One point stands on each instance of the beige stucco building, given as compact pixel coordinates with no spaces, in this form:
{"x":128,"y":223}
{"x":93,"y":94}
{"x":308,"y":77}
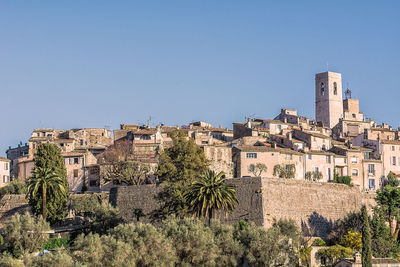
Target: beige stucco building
{"x":4,"y":171}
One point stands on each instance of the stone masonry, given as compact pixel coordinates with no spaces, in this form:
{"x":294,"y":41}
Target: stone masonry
{"x":311,"y":205}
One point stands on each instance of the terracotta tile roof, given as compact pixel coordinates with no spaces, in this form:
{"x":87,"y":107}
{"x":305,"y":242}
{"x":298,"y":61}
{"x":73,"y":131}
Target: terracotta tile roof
{"x":381,"y":129}
{"x":317,"y":135}
{"x":64,"y":140}
{"x":4,"y":159}
{"x":390,"y":142}
{"x":144,"y":131}
{"x":318,"y":152}
{"x":267,"y":149}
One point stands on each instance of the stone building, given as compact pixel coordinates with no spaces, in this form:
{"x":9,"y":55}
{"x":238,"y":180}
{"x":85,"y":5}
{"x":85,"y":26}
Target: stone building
{"x":79,"y":148}
{"x":4,"y":171}
{"x":13,"y":154}
{"x":244,"y":156}
{"x":328,"y":98}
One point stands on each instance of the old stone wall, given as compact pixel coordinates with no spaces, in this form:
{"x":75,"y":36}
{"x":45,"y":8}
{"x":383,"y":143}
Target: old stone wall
{"x":11,"y":205}
{"x":134,"y":198}
{"x":314,"y":206}
{"x":311,"y":204}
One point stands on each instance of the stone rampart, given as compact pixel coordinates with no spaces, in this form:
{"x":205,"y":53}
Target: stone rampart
{"x":312,"y":205}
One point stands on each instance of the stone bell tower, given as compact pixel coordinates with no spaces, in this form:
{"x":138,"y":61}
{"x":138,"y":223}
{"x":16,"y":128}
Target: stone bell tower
{"x":328,"y":98}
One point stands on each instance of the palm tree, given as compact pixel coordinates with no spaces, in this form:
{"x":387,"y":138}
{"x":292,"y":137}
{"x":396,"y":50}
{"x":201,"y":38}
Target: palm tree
{"x":210,"y":193}
{"x":45,"y":184}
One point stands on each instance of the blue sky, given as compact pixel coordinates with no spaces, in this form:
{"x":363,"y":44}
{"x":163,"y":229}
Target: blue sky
{"x":74,"y":64}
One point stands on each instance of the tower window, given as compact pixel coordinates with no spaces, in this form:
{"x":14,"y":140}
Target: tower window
{"x":335,"y":88}
{"x":322,"y":89}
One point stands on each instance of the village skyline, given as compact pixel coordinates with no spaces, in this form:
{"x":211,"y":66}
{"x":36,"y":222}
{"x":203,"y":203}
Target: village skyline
{"x":124,"y":62}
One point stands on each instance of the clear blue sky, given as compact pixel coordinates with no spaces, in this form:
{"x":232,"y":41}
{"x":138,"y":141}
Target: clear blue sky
{"x":74,"y":64}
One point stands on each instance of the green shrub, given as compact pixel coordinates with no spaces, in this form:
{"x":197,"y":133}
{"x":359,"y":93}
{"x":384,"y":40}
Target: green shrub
{"x":13,"y":187}
{"x":7,"y":260}
{"x":318,"y":242}
{"x":149,"y":245}
{"x":25,"y":234}
{"x":343,"y":180}
{"x":193,"y":241}
{"x":330,"y":255}
{"x":56,"y":243}
{"x":94,"y":250}
{"x":54,"y":259}
{"x":85,"y":203}
{"x":264,"y":247}
{"x":230,"y":249}
{"x":105,"y":217}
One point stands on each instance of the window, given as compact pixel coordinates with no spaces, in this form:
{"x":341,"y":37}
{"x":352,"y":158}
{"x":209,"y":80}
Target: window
{"x":145,"y":137}
{"x":322,"y":89}
{"x":394,"y":161}
{"x":329,"y":174}
{"x":76,"y":160}
{"x":81,"y":142}
{"x":335,"y":88}
{"x":288,"y":156}
{"x":393,"y":148}
{"x":371,"y":183}
{"x":328,"y":159}
{"x":93,"y":183}
{"x":76,"y":172}
{"x":300,"y":158}
{"x":4,"y":179}
{"x":354,"y":160}
{"x":251,"y":155}
{"x":354,"y":116}
{"x":94,"y":170}
{"x":6,"y":166}
{"x":309,"y":156}
{"x":371,"y":169}
{"x":354,"y":172}
{"x":71,"y":161}
{"x":316,"y":169}
{"x":366,"y":155}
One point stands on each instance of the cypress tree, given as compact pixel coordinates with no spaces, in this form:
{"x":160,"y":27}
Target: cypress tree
{"x":49,"y":156}
{"x":366,"y":255}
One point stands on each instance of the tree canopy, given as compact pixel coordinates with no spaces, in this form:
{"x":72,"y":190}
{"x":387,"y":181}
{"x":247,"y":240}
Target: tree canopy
{"x":178,"y":166}
{"x":49,"y":157}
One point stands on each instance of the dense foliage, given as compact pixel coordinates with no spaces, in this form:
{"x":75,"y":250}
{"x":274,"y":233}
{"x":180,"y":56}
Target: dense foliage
{"x":342,"y":180}
{"x":48,"y":156}
{"x":14,"y":187}
{"x":25,"y":234}
{"x":366,"y":254}
{"x":175,"y":242}
{"x":178,"y":167}
{"x":285,"y":171}
{"x":209,"y":194}
{"x":45,"y":184}
{"x":257,"y":169}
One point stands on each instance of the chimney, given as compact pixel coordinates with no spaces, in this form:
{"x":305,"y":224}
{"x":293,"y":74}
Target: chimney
{"x":273,"y":145}
{"x":289,"y":136}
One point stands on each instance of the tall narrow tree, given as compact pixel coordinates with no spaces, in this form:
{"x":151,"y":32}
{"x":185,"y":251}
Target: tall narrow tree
{"x":210,"y":193}
{"x":366,"y":255}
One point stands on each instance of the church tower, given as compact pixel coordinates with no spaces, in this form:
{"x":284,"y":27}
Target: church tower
{"x":328,"y":98}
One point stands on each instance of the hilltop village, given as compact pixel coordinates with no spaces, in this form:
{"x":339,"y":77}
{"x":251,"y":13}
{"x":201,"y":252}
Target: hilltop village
{"x":340,"y":142}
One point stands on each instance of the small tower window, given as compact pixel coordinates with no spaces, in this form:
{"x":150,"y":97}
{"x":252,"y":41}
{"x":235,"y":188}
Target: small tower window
{"x":335,"y":88}
{"x":322,"y":89}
